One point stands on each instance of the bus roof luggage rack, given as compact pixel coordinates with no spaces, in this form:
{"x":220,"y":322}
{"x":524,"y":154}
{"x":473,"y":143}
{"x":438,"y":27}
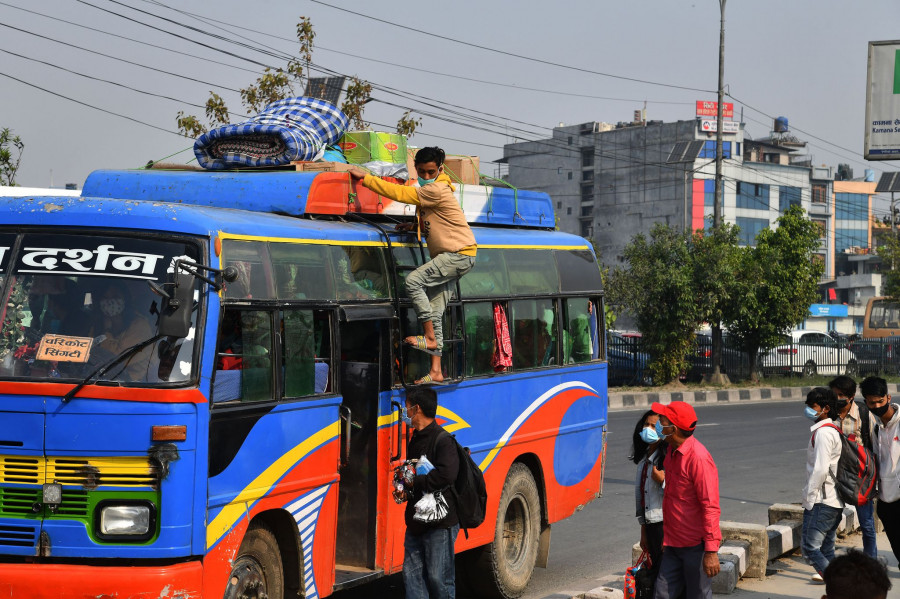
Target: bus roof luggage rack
{"x":315,"y":193}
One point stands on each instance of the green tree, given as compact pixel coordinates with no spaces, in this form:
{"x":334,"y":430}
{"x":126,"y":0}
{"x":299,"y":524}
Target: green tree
{"x":716,"y":257}
{"x":280,"y":83}
{"x":889,"y":251}
{"x":11,"y":147}
{"x":658,"y":287}
{"x":775,"y":284}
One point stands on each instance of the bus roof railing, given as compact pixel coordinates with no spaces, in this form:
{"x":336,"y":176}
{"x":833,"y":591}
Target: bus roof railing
{"x":302,"y":193}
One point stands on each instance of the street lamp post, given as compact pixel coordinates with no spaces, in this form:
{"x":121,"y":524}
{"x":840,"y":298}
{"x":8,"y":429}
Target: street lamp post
{"x":716,"y":376}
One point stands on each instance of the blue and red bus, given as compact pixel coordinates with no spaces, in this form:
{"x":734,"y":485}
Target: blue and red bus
{"x":201,"y":376}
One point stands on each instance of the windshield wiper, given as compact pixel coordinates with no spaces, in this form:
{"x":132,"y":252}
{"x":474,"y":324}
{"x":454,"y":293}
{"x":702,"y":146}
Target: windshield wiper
{"x":123,"y":355}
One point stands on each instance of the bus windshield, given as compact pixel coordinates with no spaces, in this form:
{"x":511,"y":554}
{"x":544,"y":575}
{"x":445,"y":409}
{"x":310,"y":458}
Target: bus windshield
{"x":71,"y":303}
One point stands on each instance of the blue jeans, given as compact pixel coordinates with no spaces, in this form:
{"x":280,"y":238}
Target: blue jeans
{"x":429,"y":570}
{"x":866,"y":515}
{"x":682,"y":570}
{"x":819,"y":527}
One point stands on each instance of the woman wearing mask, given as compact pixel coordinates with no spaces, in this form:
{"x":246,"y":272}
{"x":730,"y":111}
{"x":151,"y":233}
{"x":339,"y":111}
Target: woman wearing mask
{"x":648,"y":451}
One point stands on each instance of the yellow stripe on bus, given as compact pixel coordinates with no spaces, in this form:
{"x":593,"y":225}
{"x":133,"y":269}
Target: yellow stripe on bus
{"x":335,"y":242}
{"x":261,"y":485}
{"x":237,"y":237}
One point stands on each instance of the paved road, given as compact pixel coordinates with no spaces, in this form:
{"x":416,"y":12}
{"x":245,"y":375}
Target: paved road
{"x":758,"y":447}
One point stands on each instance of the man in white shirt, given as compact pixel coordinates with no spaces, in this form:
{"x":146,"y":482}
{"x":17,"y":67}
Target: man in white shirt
{"x":822,"y":508}
{"x":887,"y":455}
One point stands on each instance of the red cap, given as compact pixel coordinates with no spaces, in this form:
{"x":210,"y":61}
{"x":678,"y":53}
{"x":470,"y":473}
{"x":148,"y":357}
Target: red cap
{"x":679,"y":413}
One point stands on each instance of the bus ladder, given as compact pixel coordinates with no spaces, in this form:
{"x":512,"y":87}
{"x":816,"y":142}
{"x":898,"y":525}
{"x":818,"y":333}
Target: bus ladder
{"x":455,"y":324}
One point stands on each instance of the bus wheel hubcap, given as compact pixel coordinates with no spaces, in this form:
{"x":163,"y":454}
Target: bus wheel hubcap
{"x":247,"y":580}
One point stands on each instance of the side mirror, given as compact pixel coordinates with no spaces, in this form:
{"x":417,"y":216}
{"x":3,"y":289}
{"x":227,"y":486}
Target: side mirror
{"x":177,"y":305}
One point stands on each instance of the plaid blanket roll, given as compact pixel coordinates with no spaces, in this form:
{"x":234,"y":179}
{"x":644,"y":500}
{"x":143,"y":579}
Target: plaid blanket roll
{"x":286,"y":130}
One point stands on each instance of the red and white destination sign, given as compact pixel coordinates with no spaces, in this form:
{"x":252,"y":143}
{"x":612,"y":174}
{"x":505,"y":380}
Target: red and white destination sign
{"x":710,"y":109}
{"x":709,"y":126}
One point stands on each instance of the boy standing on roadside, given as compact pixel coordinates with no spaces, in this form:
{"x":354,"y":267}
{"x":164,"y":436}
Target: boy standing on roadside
{"x":822,"y":508}
{"x":451,"y":245}
{"x":858,"y":424}
{"x":887,"y":455}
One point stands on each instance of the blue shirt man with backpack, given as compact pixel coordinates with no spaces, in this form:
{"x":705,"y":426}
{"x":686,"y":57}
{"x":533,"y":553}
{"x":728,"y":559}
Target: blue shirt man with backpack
{"x":428,"y":560}
{"x":822,"y":507}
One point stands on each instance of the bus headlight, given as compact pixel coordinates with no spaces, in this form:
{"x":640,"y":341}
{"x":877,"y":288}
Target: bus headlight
{"x":126,"y":521}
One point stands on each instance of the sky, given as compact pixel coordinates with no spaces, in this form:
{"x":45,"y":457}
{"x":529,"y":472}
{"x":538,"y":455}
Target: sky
{"x":97,"y":84}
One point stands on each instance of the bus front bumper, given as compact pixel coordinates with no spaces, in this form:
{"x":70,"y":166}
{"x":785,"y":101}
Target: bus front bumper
{"x":69,"y":581}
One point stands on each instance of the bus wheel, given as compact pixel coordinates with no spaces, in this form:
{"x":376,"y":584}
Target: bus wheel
{"x":852,"y":368}
{"x":809,"y":369}
{"x":505,"y":566}
{"x":257,"y":572}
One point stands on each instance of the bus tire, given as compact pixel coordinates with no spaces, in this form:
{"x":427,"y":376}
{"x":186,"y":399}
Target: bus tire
{"x":504,"y":567}
{"x":809,"y":369}
{"x":257,"y":572}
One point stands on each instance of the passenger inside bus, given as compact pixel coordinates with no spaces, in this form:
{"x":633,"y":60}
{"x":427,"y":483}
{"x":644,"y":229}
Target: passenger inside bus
{"x":123,"y":325}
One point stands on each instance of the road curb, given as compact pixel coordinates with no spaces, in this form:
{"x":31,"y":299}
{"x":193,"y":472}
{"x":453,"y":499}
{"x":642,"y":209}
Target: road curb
{"x":629,"y":400}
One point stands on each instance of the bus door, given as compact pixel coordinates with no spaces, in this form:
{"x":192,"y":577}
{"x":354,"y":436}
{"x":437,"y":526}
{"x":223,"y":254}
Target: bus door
{"x":364,"y":374}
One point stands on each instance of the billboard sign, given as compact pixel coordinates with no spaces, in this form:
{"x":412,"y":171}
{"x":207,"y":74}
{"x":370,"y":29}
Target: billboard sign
{"x":828,"y":310}
{"x":710,"y":109}
{"x":709,"y":126}
{"x":882,"y":138}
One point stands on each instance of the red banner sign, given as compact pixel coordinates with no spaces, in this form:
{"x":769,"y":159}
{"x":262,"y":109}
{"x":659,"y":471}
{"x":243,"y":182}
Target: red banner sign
{"x":710,"y":109}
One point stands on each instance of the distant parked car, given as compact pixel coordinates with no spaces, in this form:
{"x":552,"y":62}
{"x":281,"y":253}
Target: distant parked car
{"x":877,"y":356}
{"x":734,"y":361}
{"x":808,"y":353}
{"x":627,"y":365}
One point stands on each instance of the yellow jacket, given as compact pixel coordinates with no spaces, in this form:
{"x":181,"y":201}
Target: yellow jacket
{"x":441,"y":218}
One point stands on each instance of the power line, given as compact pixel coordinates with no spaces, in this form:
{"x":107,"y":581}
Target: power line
{"x":111,"y":57}
{"x":110,"y":33}
{"x":206,"y":19}
{"x":134,"y":120}
{"x":511,"y":54}
{"x":140,"y":91}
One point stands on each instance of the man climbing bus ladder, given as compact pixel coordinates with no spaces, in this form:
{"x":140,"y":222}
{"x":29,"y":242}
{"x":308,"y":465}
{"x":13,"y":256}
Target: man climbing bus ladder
{"x":451,"y":246}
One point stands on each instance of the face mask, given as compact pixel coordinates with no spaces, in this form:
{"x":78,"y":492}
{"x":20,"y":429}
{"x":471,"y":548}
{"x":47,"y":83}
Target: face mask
{"x":649,"y":435}
{"x":880,"y":411}
{"x":811,"y":414}
{"x":424,"y":182}
{"x":659,"y":430}
{"x":112,"y":307}
{"x":405,"y":416}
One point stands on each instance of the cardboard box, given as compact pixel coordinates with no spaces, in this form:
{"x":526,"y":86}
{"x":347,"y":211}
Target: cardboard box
{"x":321,"y":167}
{"x":361,"y":147}
{"x":463,"y":169}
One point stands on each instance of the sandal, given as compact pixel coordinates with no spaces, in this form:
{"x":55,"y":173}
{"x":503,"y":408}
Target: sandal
{"x":421,"y":345}
{"x":427,"y":380}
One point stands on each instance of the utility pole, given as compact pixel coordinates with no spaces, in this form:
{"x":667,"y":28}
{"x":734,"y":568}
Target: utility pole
{"x":716,"y":376}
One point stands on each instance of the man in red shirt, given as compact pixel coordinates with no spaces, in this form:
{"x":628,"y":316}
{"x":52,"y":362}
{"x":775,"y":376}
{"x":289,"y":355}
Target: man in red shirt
{"x":691,"y":535}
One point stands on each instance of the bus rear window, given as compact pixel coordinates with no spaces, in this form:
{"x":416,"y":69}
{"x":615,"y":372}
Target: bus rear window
{"x":74,"y":302}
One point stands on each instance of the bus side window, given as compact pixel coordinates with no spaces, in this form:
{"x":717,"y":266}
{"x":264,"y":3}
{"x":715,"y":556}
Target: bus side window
{"x":306,"y":352}
{"x":479,"y":319}
{"x":580,"y":330}
{"x":244,"y":357}
{"x":533,"y":333}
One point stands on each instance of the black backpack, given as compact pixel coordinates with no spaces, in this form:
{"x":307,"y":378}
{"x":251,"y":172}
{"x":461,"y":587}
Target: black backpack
{"x":468,"y":489}
{"x":856,"y":473}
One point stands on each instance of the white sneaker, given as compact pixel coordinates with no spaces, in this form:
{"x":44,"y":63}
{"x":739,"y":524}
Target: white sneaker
{"x":816,"y":579}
